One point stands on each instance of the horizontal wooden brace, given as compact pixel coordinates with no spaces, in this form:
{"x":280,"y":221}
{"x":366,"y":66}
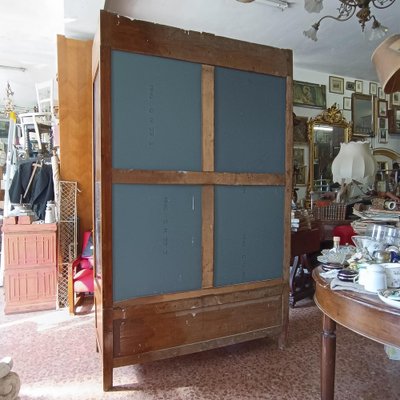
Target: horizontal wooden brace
{"x":144,"y":177}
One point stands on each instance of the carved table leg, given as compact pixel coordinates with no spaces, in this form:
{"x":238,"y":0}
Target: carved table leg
{"x":292,"y":281}
{"x":328,"y":354}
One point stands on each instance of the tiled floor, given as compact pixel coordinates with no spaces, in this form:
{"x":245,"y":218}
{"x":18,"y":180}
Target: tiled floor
{"x":55,"y":356}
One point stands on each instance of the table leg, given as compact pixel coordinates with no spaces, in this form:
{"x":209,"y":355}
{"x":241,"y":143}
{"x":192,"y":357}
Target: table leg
{"x":328,"y":353}
{"x":292,"y":280}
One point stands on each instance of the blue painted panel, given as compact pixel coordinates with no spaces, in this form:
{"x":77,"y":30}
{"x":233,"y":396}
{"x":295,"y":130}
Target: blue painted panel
{"x":156,"y":113}
{"x":156,"y":239}
{"x":248,"y":234}
{"x":249,"y":122}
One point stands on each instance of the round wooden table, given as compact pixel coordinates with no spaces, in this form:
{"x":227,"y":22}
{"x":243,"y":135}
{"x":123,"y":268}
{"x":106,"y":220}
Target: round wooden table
{"x":357,"y":312}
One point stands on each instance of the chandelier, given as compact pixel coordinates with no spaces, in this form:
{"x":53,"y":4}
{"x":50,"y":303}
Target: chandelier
{"x":346,"y":10}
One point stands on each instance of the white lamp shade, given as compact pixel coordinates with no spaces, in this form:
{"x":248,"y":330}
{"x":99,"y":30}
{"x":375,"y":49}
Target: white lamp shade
{"x":386,"y":59}
{"x":354,"y":162}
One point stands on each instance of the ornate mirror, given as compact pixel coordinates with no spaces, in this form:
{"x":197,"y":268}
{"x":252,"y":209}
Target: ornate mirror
{"x":325,"y":132}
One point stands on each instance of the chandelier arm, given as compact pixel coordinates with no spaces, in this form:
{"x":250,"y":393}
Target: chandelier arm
{"x":338,"y":18}
{"x":382,"y":3}
{"x":351,"y":3}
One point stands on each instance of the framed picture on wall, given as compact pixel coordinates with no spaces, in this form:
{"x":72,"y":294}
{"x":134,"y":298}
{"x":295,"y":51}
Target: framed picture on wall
{"x":382,"y":135}
{"x":359,"y":86}
{"x":346,"y":103}
{"x":309,"y":94}
{"x":394,"y":119}
{"x":381,"y":93}
{"x":382,"y":108}
{"x":395,"y":99}
{"x":350,"y":86}
{"x":373,"y":89}
{"x":300,"y":131}
{"x":382,"y":123}
{"x":362,"y":115}
{"x":299,"y":165}
{"x":336,"y":85}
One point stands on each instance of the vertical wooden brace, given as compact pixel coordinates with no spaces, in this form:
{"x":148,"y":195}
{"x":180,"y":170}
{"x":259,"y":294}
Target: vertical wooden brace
{"x":207,"y":104}
{"x":207,"y":101}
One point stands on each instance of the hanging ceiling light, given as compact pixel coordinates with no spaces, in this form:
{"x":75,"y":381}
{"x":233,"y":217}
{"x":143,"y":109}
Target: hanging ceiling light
{"x":346,"y":10}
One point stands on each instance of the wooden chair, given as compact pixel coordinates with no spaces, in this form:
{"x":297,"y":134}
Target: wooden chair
{"x":80,"y":274}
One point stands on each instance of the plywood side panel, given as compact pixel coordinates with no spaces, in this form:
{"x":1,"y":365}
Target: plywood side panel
{"x":75,"y":100}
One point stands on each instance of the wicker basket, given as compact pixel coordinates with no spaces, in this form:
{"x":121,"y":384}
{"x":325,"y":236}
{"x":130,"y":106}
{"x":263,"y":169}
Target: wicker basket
{"x":334,"y":211}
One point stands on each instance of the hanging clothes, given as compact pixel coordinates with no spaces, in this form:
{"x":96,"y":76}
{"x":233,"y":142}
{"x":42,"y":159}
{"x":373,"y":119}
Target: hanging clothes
{"x":39,"y":192}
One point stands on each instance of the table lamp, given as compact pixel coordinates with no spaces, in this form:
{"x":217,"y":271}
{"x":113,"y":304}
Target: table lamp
{"x":354,"y":165}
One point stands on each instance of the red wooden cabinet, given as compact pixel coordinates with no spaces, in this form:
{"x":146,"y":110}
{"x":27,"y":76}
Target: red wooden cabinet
{"x":30,"y":267}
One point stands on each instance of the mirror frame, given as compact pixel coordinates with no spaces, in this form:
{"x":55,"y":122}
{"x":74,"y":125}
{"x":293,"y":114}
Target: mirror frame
{"x":332,"y":116}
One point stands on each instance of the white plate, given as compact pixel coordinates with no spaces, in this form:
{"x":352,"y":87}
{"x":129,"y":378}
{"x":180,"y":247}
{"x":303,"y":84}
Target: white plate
{"x":388,"y":296}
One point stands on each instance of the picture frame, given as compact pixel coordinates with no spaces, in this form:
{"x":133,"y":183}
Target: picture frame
{"x":382,"y":123}
{"x":382,"y":135}
{"x":362,"y":115}
{"x":351,"y":86}
{"x":346,"y":103}
{"x":336,"y":85}
{"x":381,"y":93}
{"x":358,"y":86}
{"x":300,"y":168}
{"x":394,"y":120}
{"x":395,"y":99}
{"x":373,"y":89}
{"x":382,"y":108}
{"x":307,"y":94}
{"x":300,"y":129}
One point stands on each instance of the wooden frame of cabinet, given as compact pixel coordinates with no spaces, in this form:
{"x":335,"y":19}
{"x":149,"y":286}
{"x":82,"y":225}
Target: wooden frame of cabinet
{"x":167,"y":324}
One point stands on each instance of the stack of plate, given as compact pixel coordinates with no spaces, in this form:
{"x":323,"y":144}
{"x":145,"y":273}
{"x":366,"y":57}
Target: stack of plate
{"x":390,"y":296}
{"x":331,"y":266}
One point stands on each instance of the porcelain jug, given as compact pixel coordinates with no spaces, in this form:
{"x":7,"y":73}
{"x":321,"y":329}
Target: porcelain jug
{"x":375,"y":278}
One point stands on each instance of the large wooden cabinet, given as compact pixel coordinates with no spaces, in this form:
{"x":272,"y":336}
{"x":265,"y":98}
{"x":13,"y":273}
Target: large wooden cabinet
{"x":192,"y":190}
{"x":30,"y":267}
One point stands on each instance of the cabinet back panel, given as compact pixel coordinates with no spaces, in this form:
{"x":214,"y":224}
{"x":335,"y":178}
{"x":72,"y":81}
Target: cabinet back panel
{"x":156,"y":239}
{"x":249,"y":122}
{"x":248,"y":234}
{"x":156,"y":113}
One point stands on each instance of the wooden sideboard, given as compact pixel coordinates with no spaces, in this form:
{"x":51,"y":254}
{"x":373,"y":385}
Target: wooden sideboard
{"x":303,"y":243}
{"x":30,"y":267}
